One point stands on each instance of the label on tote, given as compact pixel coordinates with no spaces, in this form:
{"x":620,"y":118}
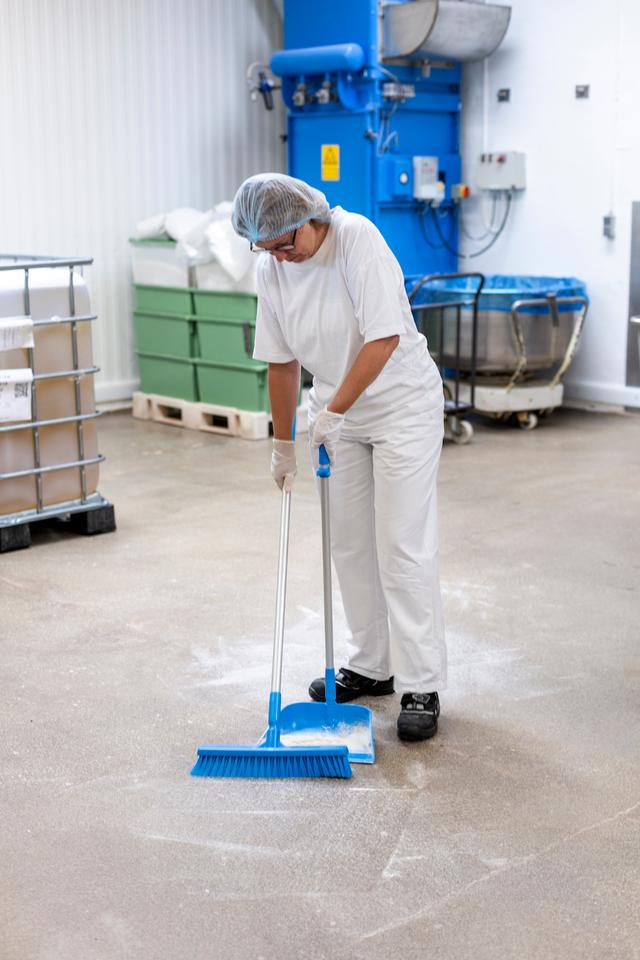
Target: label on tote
{"x":15,"y":394}
{"x":16,"y":333}
{"x":330,"y":161}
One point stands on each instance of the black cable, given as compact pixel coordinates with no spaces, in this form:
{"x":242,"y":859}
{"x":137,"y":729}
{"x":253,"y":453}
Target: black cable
{"x":423,"y":227}
{"x":469,"y":256}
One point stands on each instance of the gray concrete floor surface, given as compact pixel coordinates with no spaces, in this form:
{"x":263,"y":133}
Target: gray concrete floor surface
{"x":515,"y":834}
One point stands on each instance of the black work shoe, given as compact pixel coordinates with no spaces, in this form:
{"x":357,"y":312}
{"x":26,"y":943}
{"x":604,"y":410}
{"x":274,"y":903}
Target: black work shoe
{"x":418,"y":718}
{"x":351,"y":685}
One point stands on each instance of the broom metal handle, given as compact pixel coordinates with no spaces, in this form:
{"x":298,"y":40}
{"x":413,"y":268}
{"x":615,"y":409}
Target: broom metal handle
{"x":281,"y":593}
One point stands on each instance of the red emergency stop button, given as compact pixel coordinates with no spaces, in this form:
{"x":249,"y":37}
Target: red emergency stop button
{"x":459,"y":191}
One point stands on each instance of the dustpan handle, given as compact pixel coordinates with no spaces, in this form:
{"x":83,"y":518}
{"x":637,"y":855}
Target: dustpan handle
{"x":281,"y":596}
{"x":281,"y":593}
{"x":323,"y":473}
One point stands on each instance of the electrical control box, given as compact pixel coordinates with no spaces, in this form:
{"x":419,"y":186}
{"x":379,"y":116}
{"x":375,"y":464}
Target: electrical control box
{"x":395,"y":182}
{"x":426,"y":185}
{"x":503,"y":170}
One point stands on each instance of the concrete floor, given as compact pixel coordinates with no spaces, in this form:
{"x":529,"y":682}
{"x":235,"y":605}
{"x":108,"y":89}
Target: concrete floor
{"x":514,"y":834}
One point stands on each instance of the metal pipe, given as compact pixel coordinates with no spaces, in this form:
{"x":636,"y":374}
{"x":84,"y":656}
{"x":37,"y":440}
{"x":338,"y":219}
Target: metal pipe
{"x":37,"y":471}
{"x":24,"y":261}
{"x":51,"y":423}
{"x":281,"y":593}
{"x":83,"y":372}
{"x":35,"y":433}
{"x":54,"y":321}
{"x":76,"y":385}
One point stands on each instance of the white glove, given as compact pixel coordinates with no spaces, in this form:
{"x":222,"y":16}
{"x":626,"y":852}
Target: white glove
{"x":327,"y":430}
{"x":283,"y":463}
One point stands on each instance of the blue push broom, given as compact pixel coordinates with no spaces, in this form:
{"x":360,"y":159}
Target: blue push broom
{"x":329,"y":722}
{"x":270,"y":757}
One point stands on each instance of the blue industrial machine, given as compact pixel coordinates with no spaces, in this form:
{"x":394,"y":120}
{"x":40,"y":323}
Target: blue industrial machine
{"x":373,"y":97}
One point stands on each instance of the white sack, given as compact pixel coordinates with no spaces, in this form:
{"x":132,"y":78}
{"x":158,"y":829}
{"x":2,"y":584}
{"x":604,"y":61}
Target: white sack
{"x":181,"y":221}
{"x":150,"y":227}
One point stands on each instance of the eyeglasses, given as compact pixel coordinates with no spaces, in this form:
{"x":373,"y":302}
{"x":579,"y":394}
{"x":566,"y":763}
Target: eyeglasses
{"x":282,"y":248}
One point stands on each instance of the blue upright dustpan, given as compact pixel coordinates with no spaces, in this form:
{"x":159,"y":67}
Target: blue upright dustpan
{"x":329,"y":723}
{"x":271,"y":756}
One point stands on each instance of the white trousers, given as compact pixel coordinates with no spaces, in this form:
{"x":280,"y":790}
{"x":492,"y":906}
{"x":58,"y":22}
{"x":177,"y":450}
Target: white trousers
{"x":384,"y":539}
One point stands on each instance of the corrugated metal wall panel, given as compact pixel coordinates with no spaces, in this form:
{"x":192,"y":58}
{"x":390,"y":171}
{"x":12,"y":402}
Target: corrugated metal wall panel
{"x":113,"y":110}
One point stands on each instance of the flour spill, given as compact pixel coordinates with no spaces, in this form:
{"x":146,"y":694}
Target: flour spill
{"x":357,"y":738}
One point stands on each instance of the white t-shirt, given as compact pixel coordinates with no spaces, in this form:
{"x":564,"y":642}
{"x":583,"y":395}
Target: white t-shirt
{"x":323,"y":310}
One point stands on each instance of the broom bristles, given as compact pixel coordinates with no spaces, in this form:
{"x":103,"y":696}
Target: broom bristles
{"x":266,"y":762}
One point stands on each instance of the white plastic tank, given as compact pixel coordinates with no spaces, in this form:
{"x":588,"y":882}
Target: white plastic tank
{"x":55,"y":398}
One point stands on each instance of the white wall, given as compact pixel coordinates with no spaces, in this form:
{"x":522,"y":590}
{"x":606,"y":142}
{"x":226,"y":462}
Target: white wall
{"x":112,"y":110}
{"x":583,"y":159}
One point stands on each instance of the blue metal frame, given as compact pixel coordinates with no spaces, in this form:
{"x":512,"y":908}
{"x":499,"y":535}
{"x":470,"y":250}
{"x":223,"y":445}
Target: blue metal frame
{"x":377,"y":138}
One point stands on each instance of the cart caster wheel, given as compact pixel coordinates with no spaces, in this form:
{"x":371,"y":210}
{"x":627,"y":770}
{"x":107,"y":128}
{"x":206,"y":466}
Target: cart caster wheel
{"x":460,"y":431}
{"x":527,"y":421}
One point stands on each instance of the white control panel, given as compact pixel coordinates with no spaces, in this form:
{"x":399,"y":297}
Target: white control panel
{"x":425,"y":179}
{"x":503,"y":170}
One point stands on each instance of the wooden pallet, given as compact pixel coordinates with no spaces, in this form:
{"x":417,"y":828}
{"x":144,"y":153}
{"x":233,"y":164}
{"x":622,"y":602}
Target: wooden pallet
{"x":210,"y":417}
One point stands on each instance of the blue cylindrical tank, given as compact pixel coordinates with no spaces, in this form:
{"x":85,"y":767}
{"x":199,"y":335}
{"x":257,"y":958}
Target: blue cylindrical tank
{"x":347,"y":57}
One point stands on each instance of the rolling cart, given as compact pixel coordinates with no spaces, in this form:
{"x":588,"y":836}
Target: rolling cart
{"x":431,"y":317}
{"x":545,"y":336}
{"x":506,"y":355}
{"x":48,"y":450}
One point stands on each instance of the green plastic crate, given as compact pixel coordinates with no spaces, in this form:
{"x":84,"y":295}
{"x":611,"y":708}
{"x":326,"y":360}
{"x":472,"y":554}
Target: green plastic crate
{"x":153,"y":242}
{"x":225,"y":306}
{"x":166,"y":335}
{"x":171,"y":300}
{"x":226,"y":341}
{"x":168,"y":376}
{"x":243,"y":386}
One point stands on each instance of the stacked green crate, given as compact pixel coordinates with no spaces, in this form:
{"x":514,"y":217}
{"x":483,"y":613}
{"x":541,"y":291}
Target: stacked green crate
{"x":166,"y":341}
{"x":197,"y":344}
{"x":226,"y":372}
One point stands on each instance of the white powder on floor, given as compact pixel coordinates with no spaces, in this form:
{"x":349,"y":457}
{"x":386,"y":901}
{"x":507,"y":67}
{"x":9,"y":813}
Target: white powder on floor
{"x":357,"y":738}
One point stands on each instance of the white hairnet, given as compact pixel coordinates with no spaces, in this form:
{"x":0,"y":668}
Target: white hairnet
{"x":271,"y":204}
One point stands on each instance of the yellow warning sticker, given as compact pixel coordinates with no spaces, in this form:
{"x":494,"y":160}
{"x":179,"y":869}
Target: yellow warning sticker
{"x":330,"y":161}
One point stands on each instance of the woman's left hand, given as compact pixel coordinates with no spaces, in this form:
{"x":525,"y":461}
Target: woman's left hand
{"x":327,"y":430}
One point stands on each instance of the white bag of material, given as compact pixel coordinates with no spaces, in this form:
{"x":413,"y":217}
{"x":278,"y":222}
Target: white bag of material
{"x":231,"y":251}
{"x":206,"y":241}
{"x":182,"y":221}
{"x":150,"y":228}
{"x":193,"y":247}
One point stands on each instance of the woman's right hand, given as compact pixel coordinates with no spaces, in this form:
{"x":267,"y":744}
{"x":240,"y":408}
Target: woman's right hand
{"x":283,"y":463}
